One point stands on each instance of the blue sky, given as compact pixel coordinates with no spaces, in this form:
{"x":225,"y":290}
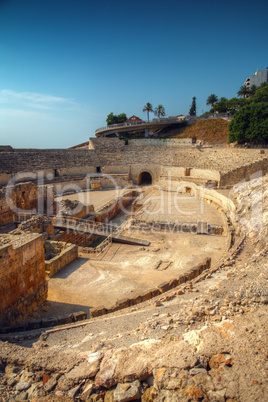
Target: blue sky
{"x":66,"y":64}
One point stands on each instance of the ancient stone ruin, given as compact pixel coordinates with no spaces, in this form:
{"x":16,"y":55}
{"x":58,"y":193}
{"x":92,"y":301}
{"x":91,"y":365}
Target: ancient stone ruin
{"x":133,"y":271}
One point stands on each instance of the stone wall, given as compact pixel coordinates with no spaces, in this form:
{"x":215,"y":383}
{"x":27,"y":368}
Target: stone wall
{"x":81,"y":239}
{"x":24,"y":197}
{"x":62,"y":254}
{"x":136,"y":170}
{"x":115,"y":169}
{"x":199,"y":191}
{"x":23,"y":285}
{"x":48,"y":160}
{"x":105,"y":144}
{"x":182,"y":172}
{"x":6,"y":215}
{"x":112,"y":208}
{"x":244,"y":173}
{"x":110,"y":155}
{"x":74,"y":208}
{"x":164,"y":142}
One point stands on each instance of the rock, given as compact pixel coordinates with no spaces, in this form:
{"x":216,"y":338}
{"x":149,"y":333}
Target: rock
{"x":219,"y":359}
{"x":50,"y":385}
{"x":217,"y":396}
{"x":84,"y":369}
{"x":87,"y":390}
{"x":127,"y":391}
{"x":11,"y":370}
{"x":195,"y":371}
{"x":149,"y":395}
{"x":33,"y":389}
{"x":22,"y":386}
{"x":21,"y":397}
{"x":26,"y":375}
{"x":104,"y":377}
{"x":109,"y":396}
{"x":59,"y":393}
{"x":156,"y":302}
{"x":11,"y":381}
{"x":264,"y":299}
{"x":74,"y":391}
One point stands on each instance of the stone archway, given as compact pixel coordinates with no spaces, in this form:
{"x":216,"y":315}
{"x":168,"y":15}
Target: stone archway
{"x":145,"y":178}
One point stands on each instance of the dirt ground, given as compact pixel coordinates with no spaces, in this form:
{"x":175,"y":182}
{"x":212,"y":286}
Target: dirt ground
{"x":124,"y":271}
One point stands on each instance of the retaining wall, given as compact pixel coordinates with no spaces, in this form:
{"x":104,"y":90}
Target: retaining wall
{"x":244,"y":173}
{"x":81,"y":239}
{"x":65,"y":253}
{"x":23,"y":285}
{"x":112,"y":208}
{"x":163,"y":142}
{"x":163,"y":287}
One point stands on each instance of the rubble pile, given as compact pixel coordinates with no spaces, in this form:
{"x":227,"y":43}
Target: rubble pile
{"x":36,"y":224}
{"x":72,"y":208}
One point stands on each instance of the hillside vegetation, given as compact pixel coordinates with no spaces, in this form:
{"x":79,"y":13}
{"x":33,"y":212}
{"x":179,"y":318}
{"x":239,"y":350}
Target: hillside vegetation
{"x":213,"y":131}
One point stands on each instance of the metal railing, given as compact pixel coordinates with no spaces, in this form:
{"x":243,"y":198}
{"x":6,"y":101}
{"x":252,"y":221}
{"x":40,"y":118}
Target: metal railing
{"x":139,"y":123}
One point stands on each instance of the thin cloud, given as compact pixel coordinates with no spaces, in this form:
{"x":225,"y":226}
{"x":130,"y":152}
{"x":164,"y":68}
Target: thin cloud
{"x":34,"y":100}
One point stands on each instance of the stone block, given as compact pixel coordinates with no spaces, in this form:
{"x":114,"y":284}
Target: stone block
{"x":49,"y":322}
{"x":164,"y":287}
{"x":34,"y":324}
{"x":65,"y":319}
{"x":173,"y":282}
{"x":98,"y":311}
{"x":80,"y":316}
{"x":181,"y":279}
{"x":123,"y":303}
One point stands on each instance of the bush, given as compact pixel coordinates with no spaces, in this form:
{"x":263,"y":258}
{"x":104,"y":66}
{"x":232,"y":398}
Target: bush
{"x":250,"y":124}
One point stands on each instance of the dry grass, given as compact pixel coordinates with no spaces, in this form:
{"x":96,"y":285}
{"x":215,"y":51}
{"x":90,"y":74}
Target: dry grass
{"x":212,"y":131}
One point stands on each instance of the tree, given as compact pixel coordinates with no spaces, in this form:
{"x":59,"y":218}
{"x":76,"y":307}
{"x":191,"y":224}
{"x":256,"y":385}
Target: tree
{"x":192,"y":111}
{"x":159,"y":111}
{"x":121,"y":118}
{"x":148,"y":108}
{"x":116,"y":119}
{"x":243,"y":91}
{"x":253,"y":89}
{"x":261,"y":95}
{"x":221,"y":106}
{"x":212,"y":99}
{"x":235,"y":104}
{"x":250,"y":124}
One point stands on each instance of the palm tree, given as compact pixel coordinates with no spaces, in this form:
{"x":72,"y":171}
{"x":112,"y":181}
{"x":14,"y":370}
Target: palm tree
{"x":253,"y":89}
{"x":148,"y":108}
{"x":159,"y":111}
{"x":212,"y":99}
{"x":243,"y":91}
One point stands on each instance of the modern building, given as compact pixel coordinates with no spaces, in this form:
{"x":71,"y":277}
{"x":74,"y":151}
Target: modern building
{"x":257,"y":79}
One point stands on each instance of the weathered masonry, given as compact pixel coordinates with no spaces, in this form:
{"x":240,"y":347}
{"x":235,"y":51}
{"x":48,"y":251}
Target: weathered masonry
{"x":23,"y":285}
{"x":108,"y":162}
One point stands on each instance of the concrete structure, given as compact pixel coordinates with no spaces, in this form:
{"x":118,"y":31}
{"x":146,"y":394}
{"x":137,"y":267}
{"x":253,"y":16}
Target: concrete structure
{"x":116,"y":129}
{"x":257,"y":79}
